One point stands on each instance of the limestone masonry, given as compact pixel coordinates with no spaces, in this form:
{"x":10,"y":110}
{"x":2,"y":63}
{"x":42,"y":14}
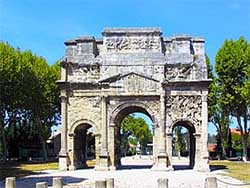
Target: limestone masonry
{"x":133,"y":70}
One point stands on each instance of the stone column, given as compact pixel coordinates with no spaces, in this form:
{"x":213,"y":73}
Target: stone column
{"x":155,"y":141}
{"x":103,"y":163}
{"x":111,"y":147}
{"x":161,"y":161}
{"x":71,"y":154}
{"x":97,"y":148}
{"x":169,"y":138}
{"x":63,"y":152}
{"x":201,"y":164}
{"x":162,"y":148}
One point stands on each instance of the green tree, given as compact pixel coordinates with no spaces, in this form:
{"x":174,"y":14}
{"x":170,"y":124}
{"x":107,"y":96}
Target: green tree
{"x":232,"y":62}
{"x":217,"y":111}
{"x":9,"y":98}
{"x":29,"y":97}
{"x":138,"y":129}
{"x":179,"y":140}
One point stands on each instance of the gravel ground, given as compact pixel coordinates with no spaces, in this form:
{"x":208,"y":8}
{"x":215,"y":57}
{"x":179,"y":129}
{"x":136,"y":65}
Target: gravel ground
{"x":139,"y":177}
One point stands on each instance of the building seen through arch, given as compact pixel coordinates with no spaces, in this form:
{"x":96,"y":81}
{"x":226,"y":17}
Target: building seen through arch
{"x":133,"y":70}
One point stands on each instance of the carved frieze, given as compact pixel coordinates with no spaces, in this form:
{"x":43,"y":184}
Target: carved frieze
{"x":181,"y":72}
{"x":181,"y":46}
{"x":84,"y":108}
{"x":85,"y":73}
{"x":184,"y":107}
{"x":132,"y":43}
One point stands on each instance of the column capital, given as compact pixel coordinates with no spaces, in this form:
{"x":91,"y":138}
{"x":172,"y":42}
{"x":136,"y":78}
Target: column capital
{"x":197,"y":135}
{"x":169,"y":134}
{"x":64,"y":99}
{"x":204,"y":98}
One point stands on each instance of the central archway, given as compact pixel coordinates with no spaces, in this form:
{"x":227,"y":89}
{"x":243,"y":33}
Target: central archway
{"x":118,"y":115}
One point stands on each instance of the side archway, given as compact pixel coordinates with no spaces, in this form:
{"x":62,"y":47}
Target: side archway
{"x":183,"y":144}
{"x":82,"y":143}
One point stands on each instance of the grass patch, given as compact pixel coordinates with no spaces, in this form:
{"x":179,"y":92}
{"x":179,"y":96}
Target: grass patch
{"x":238,"y":170}
{"x":91,"y":163}
{"x":20,"y":169}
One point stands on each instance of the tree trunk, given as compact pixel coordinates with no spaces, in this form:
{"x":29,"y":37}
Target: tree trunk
{"x":45,"y":153}
{"x":243,"y":139}
{"x":4,"y":158}
{"x":44,"y":147}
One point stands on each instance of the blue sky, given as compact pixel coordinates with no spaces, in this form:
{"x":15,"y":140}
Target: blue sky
{"x":43,"y":25}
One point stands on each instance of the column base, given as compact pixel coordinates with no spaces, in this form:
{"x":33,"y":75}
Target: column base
{"x":103,"y":162}
{"x":202,"y":166}
{"x":112,"y":168}
{"x":63,"y":163}
{"x":162,"y":168}
{"x":72,"y":167}
{"x":162,"y":163}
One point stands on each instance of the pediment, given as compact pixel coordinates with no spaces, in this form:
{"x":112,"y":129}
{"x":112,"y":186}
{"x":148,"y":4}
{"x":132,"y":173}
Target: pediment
{"x":117,"y":77}
{"x":132,"y":82}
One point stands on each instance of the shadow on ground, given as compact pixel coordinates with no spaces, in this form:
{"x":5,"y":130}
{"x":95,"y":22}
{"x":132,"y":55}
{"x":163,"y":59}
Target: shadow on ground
{"x":182,"y":167}
{"x":12,"y":168}
{"x":217,"y":167}
{"x":136,"y":167}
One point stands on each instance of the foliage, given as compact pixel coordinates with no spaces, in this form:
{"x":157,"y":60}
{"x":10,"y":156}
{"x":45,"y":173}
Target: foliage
{"x":232,"y":67}
{"x":136,"y":129}
{"x":179,"y":140}
{"x":211,"y":139}
{"x":29,"y":98}
{"x":218,"y":112}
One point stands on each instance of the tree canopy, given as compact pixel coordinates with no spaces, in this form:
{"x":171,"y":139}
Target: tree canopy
{"x":232,"y":89}
{"x":29,"y":97}
{"x":138,"y":129}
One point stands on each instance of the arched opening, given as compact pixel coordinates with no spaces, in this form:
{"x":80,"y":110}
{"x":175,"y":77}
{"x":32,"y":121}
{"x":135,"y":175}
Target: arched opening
{"x":84,"y":146}
{"x":133,"y":138}
{"x":183,"y":145}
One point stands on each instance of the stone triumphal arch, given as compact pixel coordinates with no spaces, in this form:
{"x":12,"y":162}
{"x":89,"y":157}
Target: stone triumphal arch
{"x":133,"y":70}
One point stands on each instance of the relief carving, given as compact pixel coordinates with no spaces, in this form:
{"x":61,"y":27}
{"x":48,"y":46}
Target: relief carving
{"x":86,"y":72}
{"x":184,"y":107}
{"x":84,"y":108}
{"x":137,"y":84}
{"x":182,"y":72}
{"x":127,"y":43}
{"x":180,"y":46}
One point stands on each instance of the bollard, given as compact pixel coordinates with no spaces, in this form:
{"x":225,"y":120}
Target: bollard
{"x":100,"y":184}
{"x":110,"y":183}
{"x":162,"y":183}
{"x":42,"y":185}
{"x":211,"y":182}
{"x":10,"y":182}
{"x":57,"y":183}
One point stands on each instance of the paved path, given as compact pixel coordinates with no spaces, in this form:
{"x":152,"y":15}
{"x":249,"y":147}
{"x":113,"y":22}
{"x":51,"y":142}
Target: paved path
{"x":139,"y":177}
